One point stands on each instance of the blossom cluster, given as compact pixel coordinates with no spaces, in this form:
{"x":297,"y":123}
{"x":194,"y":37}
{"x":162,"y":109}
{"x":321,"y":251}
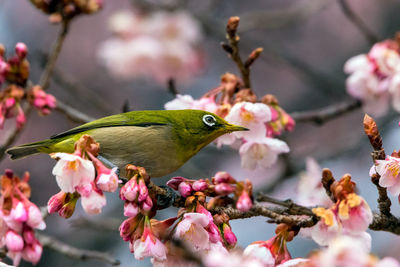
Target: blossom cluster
{"x":375,"y":77}
{"x":81,"y":175}
{"x":18,"y":219}
{"x":265,"y":120}
{"x":349,"y":215}
{"x":160,"y":45}
{"x":67,"y":8}
{"x":15,"y":71}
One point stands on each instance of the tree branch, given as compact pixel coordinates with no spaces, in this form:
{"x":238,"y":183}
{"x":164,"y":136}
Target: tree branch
{"x":371,"y":37}
{"x":75,"y":253}
{"x":323,"y":115}
{"x":72,"y":113}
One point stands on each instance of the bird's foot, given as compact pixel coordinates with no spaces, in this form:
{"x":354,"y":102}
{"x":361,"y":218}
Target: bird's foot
{"x":165,"y":201}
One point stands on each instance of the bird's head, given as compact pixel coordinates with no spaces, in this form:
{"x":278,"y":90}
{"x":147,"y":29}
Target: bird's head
{"x":198,"y":128}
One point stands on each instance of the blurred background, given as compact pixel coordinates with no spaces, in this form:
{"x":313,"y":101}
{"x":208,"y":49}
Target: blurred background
{"x":305,"y":46}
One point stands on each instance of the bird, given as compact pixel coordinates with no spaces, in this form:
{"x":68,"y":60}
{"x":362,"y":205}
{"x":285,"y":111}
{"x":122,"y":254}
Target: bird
{"x":161,"y":141}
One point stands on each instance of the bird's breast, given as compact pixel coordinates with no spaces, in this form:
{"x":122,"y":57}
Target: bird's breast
{"x":153,"y":147}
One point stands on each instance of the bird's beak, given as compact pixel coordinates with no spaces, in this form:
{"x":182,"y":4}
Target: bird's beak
{"x":235,"y":128}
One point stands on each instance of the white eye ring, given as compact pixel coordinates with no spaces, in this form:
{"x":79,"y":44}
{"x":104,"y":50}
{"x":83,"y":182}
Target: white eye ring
{"x":209,"y":120}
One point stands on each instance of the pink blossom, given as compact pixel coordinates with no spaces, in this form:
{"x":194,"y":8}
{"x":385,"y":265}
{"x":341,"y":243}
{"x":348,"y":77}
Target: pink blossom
{"x":223,"y":177}
{"x":297,"y":262}
{"x":19,"y":213}
{"x":262,"y":152}
{"x":192,"y":230}
{"x":385,"y":57}
{"x":221,"y":257}
{"x":389,"y":170}
{"x":180,"y":102}
{"x":310,"y":190}
{"x":147,"y":204}
{"x":13,"y":241}
{"x":21,"y":119}
{"x":252,"y":116}
{"x":149,"y":246}
{"x":343,"y":251}
{"x":72,"y":171}
{"x":107,"y":179}
{"x":388,"y":262}
{"x":94,"y":202}
{"x":260,"y":252}
{"x":394,"y":90}
{"x":358,"y":63}
{"x":327,"y":227}
{"x":206,"y":104}
{"x":244,"y":202}
{"x":354,"y":213}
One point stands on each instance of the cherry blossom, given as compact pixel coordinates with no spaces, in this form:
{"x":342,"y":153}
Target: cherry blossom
{"x":389,"y":170}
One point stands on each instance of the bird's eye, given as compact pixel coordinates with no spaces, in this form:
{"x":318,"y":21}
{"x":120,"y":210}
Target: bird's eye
{"x":209,"y":120}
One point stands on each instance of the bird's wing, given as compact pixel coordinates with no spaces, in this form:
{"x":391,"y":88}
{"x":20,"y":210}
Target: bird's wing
{"x":133,"y":118}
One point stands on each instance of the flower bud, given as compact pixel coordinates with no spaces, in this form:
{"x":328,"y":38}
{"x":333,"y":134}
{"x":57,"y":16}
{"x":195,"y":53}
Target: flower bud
{"x":244,"y":202}
{"x":147,"y":204}
{"x":199,"y":185}
{"x":56,"y":202}
{"x":29,"y":236}
{"x":129,"y":191}
{"x":175,"y":181}
{"x":14,"y":242}
{"x":229,"y":236}
{"x":35,"y":218}
{"x":224,"y":189}
{"x":21,"y":50}
{"x":223,"y":177}
{"x":32,"y":253}
{"x":143,"y":191}
{"x":130,"y":209}
{"x":68,"y":208}
{"x":21,"y":119}
{"x":185,"y":189}
{"x":213,"y":233}
{"x":19,"y":213}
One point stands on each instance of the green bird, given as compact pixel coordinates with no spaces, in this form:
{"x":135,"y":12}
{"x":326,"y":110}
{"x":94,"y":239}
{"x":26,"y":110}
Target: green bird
{"x":161,"y":141}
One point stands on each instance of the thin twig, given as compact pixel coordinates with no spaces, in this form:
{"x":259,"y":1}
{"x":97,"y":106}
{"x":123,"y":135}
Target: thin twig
{"x":55,"y":51}
{"x":371,"y":37}
{"x":73,"y":252}
{"x":292,"y":207}
{"x":323,"y":115}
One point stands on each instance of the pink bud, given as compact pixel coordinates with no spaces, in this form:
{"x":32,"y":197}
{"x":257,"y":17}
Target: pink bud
{"x":143,"y":191}
{"x":33,"y":253}
{"x":175,"y":181}
{"x":128,"y":227}
{"x":107,"y":180}
{"x":35,"y":218}
{"x":29,"y":236}
{"x":56,"y":202}
{"x":199,"y":185}
{"x":223,"y":177}
{"x":21,"y":49}
{"x":213,"y":233}
{"x":21,"y":119}
{"x":185,"y":189}
{"x":244,"y":202}
{"x":224,"y":189}
{"x":68,"y":209}
{"x":130,"y":209}
{"x":9,"y":103}
{"x":147,"y":204}
{"x":229,"y":236}
{"x":129,"y":191}
{"x":274,"y":114}
{"x":19,"y":213}
{"x":14,"y":242}
{"x":51,"y":101}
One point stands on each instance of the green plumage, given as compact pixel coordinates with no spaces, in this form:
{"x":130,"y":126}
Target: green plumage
{"x":159,"y":140}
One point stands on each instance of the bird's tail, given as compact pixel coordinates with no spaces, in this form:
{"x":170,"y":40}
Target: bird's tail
{"x":30,"y":149}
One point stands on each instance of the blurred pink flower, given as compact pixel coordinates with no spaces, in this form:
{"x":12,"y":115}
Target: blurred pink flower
{"x":244,"y":202}
{"x":327,"y":227}
{"x":355,"y":214}
{"x":93,"y":202}
{"x":149,"y":246}
{"x":310,"y":190}
{"x":160,"y":45}
{"x":261,"y":152}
